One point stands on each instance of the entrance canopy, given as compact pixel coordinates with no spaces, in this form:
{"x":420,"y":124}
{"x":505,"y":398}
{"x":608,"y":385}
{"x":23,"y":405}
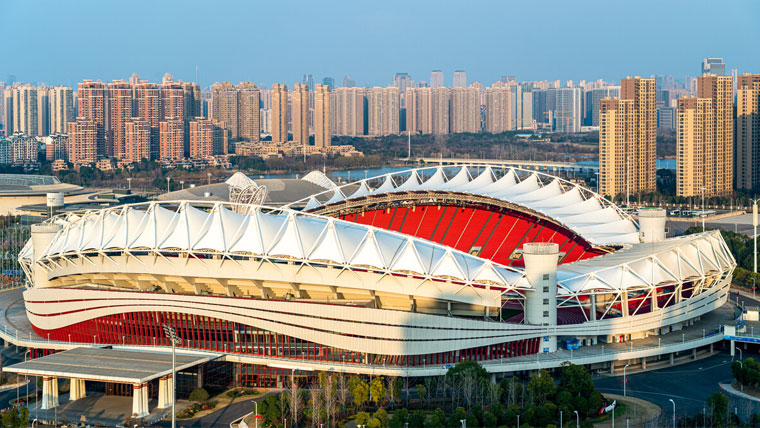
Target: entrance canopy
{"x":108,"y":365}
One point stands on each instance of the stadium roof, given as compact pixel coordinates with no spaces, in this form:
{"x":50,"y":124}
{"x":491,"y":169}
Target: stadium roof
{"x":287,"y":235}
{"x":581,"y":210}
{"x":30,"y":185}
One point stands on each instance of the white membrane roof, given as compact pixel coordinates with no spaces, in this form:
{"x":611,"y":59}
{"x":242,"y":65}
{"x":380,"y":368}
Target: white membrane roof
{"x":581,"y":210}
{"x":283,"y":234}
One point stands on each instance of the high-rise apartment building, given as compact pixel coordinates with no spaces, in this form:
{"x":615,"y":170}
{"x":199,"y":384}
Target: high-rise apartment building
{"x":436,"y":79}
{"x":148,"y":108}
{"x":713,"y":66}
{"x":119,"y":113}
{"x":172,"y":139}
{"x":83,"y":141}
{"x":21,"y":110}
{"x":201,"y":138}
{"x":460,"y":79}
{"x":300,"y":113}
{"x":322,"y":118}
{"x":137,"y":137}
{"x":402,"y":81}
{"x":279,"y":113}
{"x":498,"y":109}
{"x":419,"y":111}
{"x":440,"y":105}
{"x":248,"y":115}
{"x":383,"y":111}
{"x":465,"y":110}
{"x":61,"y":100}
{"x":224,"y":107}
{"x":92,"y":106}
{"x":43,"y":111}
{"x":347,"y":111}
{"x":56,"y":147}
{"x":627,"y":139}
{"x":747,"y":153}
{"x":719,"y":156}
{"x":172,"y":100}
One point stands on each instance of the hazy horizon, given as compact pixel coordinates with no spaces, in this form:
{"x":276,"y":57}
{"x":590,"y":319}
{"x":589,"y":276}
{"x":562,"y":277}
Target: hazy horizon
{"x":281,"y":41}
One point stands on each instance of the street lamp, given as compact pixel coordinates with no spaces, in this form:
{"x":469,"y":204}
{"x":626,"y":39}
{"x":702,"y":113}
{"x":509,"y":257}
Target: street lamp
{"x":168,"y":184}
{"x":703,"y":209}
{"x":577,"y":419}
{"x":754,"y":234}
{"x":624,"y":379}
{"x":560,"y":419}
{"x":171,"y":334}
{"x":674,"y":411}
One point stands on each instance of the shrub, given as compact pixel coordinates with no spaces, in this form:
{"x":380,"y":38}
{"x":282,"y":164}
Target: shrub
{"x":199,"y":395}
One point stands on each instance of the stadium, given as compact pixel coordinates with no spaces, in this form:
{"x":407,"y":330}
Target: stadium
{"x":404,"y":274}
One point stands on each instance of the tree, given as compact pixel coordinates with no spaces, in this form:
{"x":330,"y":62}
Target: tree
{"x":327,"y":382}
{"x":382,"y":416}
{"x":374,"y":423}
{"x":294,"y":395}
{"x":12,"y":418}
{"x":399,"y":418}
{"x":360,"y":393}
{"x":576,"y":380}
{"x":421,"y":392}
{"x":718,"y":405}
{"x":270,"y":409}
{"x":377,"y":389}
{"x":362,"y":418}
{"x":541,"y":385}
{"x":316,"y":405}
{"x":394,"y":388}
{"x":199,"y":395}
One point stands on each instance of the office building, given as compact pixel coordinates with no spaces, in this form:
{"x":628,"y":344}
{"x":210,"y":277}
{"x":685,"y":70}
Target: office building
{"x":348,"y":82}
{"x":498,"y":109}
{"x":308,"y":81}
{"x":61,"y":99}
{"x":747,"y":153}
{"x":383,"y":113}
{"x":322,"y":118}
{"x":300,"y":113}
{"x":83,"y":141}
{"x":460,"y":79}
{"x":713,"y":66}
{"x":402,"y":81}
{"x":436,"y":79}
{"x":591,"y":105}
{"x":627,"y":139}
{"x":564,"y":108}
{"x":465,"y":110}
{"x":328,"y":81}
{"x":137,"y":137}
{"x":249,"y":102}
{"x":667,"y":117}
{"x":119,"y":113}
{"x":279,"y":113}
{"x":92,"y":106}
{"x":171,"y":139}
{"x":348,"y":111}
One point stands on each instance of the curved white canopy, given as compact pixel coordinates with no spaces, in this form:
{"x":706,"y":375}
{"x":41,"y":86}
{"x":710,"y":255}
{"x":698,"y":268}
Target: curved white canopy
{"x":584,"y":212}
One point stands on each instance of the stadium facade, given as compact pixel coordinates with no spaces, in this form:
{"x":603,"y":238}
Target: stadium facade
{"x":430,"y":266}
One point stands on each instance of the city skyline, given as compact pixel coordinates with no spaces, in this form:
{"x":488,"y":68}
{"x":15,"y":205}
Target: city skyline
{"x":502,"y":46}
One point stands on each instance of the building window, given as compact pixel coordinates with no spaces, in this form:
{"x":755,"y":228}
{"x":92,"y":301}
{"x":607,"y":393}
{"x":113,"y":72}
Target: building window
{"x":546,"y":314}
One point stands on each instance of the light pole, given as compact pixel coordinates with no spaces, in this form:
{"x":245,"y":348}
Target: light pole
{"x":674,"y":411}
{"x":171,"y":334}
{"x":208,"y":174}
{"x":703,"y":209}
{"x":560,"y":419}
{"x":624,"y":379}
{"x":754,"y":233}
{"x":577,"y":419}
{"x":256,"y":413}
{"x":168,"y":184}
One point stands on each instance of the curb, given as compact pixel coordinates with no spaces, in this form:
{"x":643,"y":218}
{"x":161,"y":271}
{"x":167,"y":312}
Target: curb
{"x":730,"y":389}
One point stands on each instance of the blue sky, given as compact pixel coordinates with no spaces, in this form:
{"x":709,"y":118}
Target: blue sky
{"x":63,"y":42}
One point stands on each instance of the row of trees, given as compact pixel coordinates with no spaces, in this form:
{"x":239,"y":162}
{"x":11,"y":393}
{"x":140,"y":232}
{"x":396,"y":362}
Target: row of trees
{"x":465,"y":392}
{"x":741,"y":247}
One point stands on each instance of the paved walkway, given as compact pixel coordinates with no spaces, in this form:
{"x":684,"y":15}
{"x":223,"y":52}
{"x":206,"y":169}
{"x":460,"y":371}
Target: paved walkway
{"x":638,"y":412}
{"x":733,"y":391}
